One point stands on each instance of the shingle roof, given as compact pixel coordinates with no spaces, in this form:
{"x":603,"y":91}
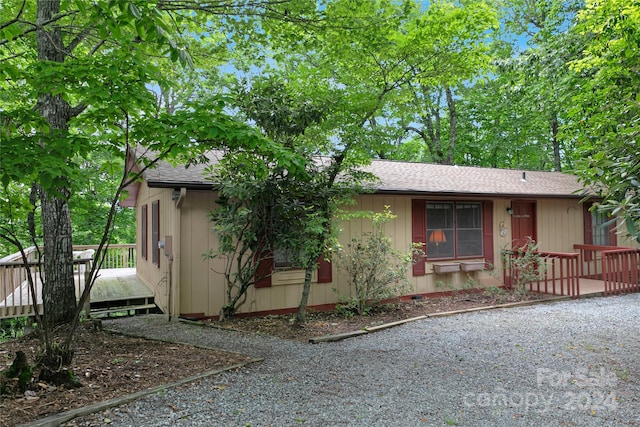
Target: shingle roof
{"x":167,"y":175}
{"x":414,"y":178}
{"x":405,"y":177}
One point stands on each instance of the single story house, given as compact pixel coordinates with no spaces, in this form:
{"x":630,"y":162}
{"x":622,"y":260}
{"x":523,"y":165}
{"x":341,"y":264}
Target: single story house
{"x":464,"y":216}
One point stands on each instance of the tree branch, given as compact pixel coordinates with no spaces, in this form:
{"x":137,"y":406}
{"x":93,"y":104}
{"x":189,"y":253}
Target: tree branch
{"x":17,"y":18}
{"x":35,"y":27}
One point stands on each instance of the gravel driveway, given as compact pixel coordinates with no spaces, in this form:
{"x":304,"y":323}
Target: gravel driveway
{"x":572,"y":363}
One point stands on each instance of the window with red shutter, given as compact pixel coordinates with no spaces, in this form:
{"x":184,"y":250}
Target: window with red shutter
{"x":155,"y":233}
{"x":143,"y":232}
{"x":452,"y":230}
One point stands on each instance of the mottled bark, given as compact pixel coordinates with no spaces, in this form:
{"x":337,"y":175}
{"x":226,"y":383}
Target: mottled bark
{"x":58,"y":290}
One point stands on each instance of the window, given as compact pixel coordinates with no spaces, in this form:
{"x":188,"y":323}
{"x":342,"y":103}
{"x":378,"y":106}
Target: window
{"x":454,"y":230}
{"x":143,"y":232}
{"x":284,"y":258}
{"x":598,"y":227}
{"x":155,"y":232}
{"x":601,"y":235}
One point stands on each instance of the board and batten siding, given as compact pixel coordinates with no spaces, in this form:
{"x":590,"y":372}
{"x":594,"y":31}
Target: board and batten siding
{"x":560,"y":224}
{"x":400,"y":232}
{"x":201,"y":284}
{"x":155,"y":277}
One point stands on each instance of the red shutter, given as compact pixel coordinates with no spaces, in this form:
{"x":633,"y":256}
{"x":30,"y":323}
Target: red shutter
{"x":588,"y":224}
{"x":487,"y":233}
{"x":264,"y":271}
{"x":144,"y":238}
{"x":324,"y":271}
{"x":155,"y":233}
{"x":419,"y":232}
{"x":613,"y":236}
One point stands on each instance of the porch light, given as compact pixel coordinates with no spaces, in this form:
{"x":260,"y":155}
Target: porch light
{"x":509,"y":211}
{"x":437,"y":237}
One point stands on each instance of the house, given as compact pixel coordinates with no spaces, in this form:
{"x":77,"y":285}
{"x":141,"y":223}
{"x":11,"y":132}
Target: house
{"x":465,"y":216}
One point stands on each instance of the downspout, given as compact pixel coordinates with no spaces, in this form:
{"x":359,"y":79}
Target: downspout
{"x":174,"y":261}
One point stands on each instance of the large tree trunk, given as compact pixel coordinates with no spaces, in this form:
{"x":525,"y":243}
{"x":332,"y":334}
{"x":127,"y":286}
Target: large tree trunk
{"x":58,"y":293}
{"x":58,"y":290}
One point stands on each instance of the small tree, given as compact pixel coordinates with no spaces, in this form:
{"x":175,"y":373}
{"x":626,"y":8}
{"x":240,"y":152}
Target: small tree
{"x":242,"y":223}
{"x":375,"y":270}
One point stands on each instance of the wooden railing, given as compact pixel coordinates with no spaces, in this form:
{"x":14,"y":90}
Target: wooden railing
{"x":118,"y":256}
{"x":16,"y":298}
{"x":554,"y":273}
{"x":591,"y":260}
{"x":617,"y":267}
{"x":620,"y":270}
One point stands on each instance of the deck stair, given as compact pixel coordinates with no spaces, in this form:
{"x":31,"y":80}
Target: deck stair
{"x":129,"y":307}
{"x":121,"y":295}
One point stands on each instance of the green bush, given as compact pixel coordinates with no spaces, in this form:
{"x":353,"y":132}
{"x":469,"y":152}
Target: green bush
{"x":375,"y":270}
{"x":12,"y":328}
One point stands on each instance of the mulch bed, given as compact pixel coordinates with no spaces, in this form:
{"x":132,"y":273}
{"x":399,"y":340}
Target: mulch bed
{"x":329,"y":323}
{"x":108,"y":366}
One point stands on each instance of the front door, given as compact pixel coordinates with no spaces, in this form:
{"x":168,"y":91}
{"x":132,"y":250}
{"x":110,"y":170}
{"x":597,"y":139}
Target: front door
{"x":523,"y":222}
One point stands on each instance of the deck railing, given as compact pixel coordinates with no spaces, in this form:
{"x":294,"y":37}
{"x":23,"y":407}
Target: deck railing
{"x":16,"y":298}
{"x":620,"y":270}
{"x":117,"y":256}
{"x":591,"y":260}
{"x":554,"y":273}
{"x":617,"y":267}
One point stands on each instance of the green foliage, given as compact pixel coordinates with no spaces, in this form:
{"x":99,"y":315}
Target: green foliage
{"x":375,"y":270}
{"x":606,"y":111}
{"x":524,"y":265}
{"x":12,"y":328}
{"x":468,"y":284}
{"x":496,"y":293}
{"x":242,"y":223}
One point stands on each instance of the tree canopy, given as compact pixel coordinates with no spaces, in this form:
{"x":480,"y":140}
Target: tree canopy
{"x":542,"y":84}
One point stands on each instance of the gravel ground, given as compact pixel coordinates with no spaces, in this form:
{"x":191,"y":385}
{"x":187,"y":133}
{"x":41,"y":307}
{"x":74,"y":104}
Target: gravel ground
{"x":573,"y":363}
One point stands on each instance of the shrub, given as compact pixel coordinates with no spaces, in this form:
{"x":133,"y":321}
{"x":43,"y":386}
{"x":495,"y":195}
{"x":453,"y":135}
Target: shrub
{"x":525,"y":266}
{"x":375,"y":270}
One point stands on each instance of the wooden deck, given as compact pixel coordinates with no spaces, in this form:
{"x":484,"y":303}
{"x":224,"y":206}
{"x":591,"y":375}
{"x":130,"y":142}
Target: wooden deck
{"x":119,"y":284}
{"x":113,"y":289}
{"x":591,"y":287}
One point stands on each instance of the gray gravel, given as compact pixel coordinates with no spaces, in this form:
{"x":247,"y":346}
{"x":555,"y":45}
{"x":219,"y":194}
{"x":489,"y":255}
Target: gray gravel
{"x":572,"y":363}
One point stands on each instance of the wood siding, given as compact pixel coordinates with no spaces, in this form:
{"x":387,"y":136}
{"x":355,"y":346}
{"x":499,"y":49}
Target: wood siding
{"x":154,"y":277}
{"x":200,"y":284}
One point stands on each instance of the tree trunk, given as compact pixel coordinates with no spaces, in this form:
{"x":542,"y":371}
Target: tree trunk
{"x":58,"y":290}
{"x":452,"y":126}
{"x":556,"y":144}
{"x":301,"y":317}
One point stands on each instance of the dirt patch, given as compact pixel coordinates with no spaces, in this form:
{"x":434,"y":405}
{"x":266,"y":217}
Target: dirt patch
{"x":329,"y":323}
{"x":108,"y":366}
